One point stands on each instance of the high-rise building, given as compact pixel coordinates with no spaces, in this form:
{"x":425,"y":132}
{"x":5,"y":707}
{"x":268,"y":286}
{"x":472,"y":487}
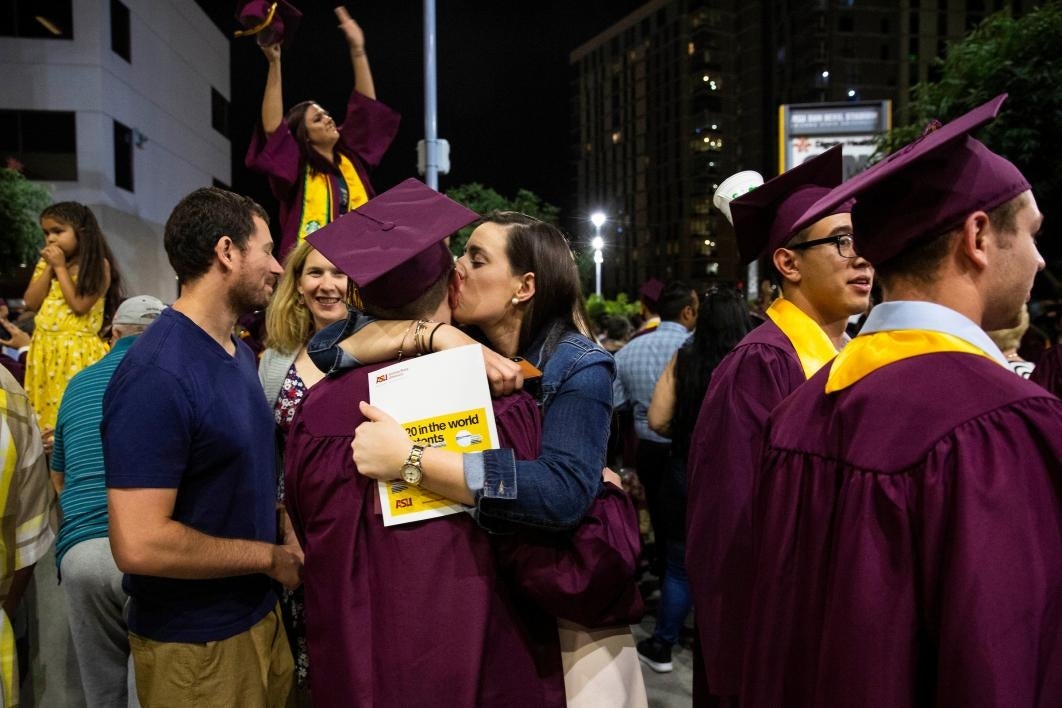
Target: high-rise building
{"x":121,"y":105}
{"x":682,"y":93}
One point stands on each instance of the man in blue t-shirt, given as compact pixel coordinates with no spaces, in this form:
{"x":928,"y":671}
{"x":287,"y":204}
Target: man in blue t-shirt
{"x":191,"y":477}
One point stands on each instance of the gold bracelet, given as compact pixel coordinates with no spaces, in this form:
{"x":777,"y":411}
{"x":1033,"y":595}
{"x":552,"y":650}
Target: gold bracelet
{"x":402,"y":342}
{"x":418,"y":336}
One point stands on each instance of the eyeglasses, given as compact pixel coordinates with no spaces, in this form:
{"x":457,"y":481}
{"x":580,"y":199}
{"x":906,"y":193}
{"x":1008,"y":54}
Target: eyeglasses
{"x":844,"y":242}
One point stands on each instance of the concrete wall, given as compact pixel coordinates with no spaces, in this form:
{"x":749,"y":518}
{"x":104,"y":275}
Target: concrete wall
{"x":177,"y":55}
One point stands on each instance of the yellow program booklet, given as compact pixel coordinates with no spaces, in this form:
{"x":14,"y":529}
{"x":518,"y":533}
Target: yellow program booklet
{"x":442,"y":400}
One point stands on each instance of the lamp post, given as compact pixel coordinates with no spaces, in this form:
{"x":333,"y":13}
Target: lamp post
{"x":597,"y":219}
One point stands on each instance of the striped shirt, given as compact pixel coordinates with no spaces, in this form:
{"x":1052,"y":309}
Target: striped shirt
{"x":78,"y":452}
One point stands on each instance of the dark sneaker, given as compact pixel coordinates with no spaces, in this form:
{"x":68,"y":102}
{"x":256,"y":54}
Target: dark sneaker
{"x":655,"y":654}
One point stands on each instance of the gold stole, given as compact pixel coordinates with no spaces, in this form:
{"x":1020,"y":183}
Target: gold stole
{"x":869,"y":352}
{"x":318,"y":200}
{"x":812,"y":345}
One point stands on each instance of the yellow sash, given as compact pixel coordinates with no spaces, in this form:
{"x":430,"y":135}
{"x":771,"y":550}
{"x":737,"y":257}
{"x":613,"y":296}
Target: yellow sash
{"x":813,"y":346}
{"x":869,"y":352}
{"x":319,"y":203}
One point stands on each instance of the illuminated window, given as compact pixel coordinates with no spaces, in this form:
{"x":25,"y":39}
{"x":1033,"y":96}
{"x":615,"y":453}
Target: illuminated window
{"x":37,"y":19}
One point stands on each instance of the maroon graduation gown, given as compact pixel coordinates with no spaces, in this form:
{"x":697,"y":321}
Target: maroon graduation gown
{"x":366,"y":133}
{"x":411,"y":615}
{"x":909,"y":542}
{"x":724,"y":453}
{"x":1048,"y":371}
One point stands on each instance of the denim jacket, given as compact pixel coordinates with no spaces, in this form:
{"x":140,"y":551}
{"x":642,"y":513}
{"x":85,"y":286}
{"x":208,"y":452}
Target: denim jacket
{"x":555,"y":490}
{"x":324,"y":350}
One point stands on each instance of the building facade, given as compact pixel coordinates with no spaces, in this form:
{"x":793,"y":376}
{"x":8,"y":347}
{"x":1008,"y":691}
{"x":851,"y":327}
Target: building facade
{"x":121,"y":105}
{"x":680,"y":94}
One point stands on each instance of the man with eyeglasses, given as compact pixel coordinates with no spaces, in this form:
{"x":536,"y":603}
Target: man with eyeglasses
{"x":908,"y":510}
{"x":823,"y":282}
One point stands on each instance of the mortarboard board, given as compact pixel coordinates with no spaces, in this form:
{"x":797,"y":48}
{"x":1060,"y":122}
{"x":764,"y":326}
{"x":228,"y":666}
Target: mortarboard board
{"x":651,"y":290}
{"x":765,"y":218}
{"x":926,"y":188}
{"x":392,"y":245}
{"x":270,"y":22}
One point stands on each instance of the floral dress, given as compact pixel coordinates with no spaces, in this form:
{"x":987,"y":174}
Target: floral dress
{"x":291,"y":394}
{"x":63,"y":344}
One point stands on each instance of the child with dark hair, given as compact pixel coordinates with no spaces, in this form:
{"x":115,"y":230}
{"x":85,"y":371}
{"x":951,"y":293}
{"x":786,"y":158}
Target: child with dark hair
{"x":75,"y":289}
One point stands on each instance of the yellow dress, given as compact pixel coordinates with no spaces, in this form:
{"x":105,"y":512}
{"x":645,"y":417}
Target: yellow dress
{"x":63,"y":344}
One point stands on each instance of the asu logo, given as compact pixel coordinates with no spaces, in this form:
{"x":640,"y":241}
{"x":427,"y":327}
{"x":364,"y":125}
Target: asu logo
{"x":401,"y":503}
{"x":381,"y":378}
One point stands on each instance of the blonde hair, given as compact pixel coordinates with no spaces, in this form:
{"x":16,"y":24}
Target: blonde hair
{"x":289,"y":324}
{"x":1010,"y":338}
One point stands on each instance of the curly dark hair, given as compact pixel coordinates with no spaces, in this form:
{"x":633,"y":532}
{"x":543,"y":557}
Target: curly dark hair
{"x":93,"y":252}
{"x":199,"y":220}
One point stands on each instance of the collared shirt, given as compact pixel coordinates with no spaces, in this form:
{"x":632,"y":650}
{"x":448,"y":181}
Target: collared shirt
{"x":639,"y":365}
{"x":78,"y":452}
{"x":28,"y":510}
{"x":911,"y":314}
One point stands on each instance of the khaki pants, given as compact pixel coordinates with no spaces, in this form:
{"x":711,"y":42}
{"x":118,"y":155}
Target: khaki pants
{"x":251,"y":669}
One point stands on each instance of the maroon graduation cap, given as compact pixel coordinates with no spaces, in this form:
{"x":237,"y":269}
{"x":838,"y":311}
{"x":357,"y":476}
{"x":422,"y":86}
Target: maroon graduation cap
{"x":651,"y":290}
{"x":765,"y":218}
{"x":392,"y":245}
{"x":269,"y":22}
{"x":926,"y":188}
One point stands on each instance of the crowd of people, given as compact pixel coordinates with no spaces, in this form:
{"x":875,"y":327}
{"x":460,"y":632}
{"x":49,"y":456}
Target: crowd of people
{"x":856,"y":515}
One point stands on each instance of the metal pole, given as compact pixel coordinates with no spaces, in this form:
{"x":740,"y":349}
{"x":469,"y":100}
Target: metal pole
{"x":431,"y":160}
{"x":598,"y":257}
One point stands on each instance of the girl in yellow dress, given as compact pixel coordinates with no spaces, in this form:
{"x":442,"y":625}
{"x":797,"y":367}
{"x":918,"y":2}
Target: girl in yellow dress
{"x":75,"y":288}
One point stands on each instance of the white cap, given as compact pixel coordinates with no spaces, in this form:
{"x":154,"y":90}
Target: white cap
{"x":733,"y":187}
{"x":140,"y":310}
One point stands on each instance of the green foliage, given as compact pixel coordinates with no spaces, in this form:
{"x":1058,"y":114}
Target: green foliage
{"x":21,"y":202}
{"x":484,"y":200}
{"x":1022,"y":57}
{"x":599,"y":307}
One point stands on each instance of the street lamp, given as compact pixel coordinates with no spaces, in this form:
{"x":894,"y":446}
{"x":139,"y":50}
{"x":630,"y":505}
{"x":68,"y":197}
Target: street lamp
{"x":597,"y":219}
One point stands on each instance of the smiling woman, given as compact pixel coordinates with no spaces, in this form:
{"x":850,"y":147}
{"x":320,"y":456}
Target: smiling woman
{"x":316,"y":169}
{"x":311,"y":294}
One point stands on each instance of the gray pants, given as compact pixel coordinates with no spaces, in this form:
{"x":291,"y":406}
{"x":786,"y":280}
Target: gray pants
{"x":96,"y":607}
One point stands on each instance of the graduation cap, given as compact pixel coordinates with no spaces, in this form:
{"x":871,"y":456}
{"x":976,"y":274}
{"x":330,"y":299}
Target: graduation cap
{"x":651,"y":290}
{"x":766,"y":217}
{"x":392,"y":245}
{"x":926,"y":188}
{"x":271,"y":22}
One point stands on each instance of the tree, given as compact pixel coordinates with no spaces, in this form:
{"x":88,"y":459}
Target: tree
{"x":484,"y":200}
{"x":21,"y":202}
{"x":1022,"y":57}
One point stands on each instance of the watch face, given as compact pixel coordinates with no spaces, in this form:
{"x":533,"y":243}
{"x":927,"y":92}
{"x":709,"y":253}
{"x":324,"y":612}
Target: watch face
{"x":411,"y":474}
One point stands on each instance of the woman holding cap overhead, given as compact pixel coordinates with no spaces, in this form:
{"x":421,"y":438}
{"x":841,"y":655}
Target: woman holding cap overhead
{"x":316,"y":169}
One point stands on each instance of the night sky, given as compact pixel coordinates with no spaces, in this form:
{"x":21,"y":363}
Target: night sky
{"x":503,"y":81}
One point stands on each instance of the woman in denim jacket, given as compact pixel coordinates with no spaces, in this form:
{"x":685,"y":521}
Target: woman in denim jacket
{"x":517,"y":284}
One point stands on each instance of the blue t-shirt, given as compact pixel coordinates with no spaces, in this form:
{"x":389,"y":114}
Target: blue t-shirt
{"x":181,"y":413}
{"x":78,"y":453}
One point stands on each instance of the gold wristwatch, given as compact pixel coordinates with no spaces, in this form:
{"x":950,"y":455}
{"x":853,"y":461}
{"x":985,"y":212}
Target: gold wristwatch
{"x":411,"y":472}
